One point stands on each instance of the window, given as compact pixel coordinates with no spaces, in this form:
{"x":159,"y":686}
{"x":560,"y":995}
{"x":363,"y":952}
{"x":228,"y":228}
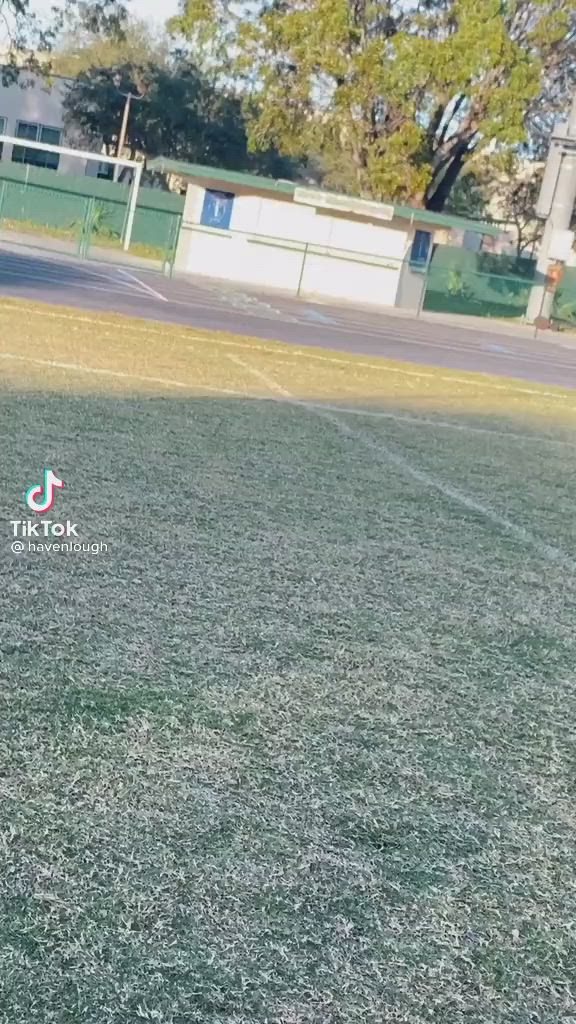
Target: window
{"x":37,"y":133}
{"x":217,"y":209}
{"x":2,"y":132}
{"x":472,"y":241}
{"x":420,"y":249}
{"x":105,"y":171}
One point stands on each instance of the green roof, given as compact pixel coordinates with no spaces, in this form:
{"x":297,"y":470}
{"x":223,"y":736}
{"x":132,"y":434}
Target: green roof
{"x":258,"y":181}
{"x":446,"y":220}
{"x":165,"y":166}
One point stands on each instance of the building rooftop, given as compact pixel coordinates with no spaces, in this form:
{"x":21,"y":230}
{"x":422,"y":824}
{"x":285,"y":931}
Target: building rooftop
{"x":221,"y":177}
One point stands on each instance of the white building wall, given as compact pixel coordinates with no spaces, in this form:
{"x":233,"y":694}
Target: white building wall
{"x":237,"y":258}
{"x":341,"y":278}
{"x":271,"y":243}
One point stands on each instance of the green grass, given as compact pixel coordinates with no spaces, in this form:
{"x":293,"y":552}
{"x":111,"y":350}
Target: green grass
{"x":300,"y":748}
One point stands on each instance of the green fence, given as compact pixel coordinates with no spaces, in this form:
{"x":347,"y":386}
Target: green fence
{"x":478,"y":283}
{"x":86,"y":215}
{"x":564,"y":308}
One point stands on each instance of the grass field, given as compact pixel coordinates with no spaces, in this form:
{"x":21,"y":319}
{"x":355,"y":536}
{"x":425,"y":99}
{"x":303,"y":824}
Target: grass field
{"x":299,"y":748}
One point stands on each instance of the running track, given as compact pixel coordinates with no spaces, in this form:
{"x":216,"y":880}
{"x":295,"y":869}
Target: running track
{"x":30,"y":274}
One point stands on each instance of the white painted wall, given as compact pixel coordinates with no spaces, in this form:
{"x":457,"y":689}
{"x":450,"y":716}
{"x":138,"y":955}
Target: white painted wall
{"x":242,"y":254}
{"x":351,"y":281}
{"x":236,"y":258}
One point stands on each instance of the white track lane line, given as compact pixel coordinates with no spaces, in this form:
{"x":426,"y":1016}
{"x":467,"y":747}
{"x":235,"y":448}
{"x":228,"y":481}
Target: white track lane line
{"x":51,"y":269}
{"x":80,"y":368}
{"x":388,"y":454}
{"x":81,"y":279}
{"x":142,"y":284}
{"x":115,"y":287}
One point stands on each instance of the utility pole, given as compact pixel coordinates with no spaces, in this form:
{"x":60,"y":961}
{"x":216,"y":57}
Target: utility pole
{"x":129,"y":96}
{"x":556,"y":203}
{"x":123,"y":132}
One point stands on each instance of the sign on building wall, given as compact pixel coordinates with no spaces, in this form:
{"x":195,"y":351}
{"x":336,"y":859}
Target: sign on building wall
{"x":217,"y":209}
{"x":347,"y":204}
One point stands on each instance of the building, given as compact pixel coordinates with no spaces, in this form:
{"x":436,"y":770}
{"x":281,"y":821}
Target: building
{"x":277,"y":234}
{"x":33,"y":109}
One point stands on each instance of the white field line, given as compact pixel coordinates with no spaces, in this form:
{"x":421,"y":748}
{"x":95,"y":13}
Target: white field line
{"x":480,"y":384}
{"x":187,"y":334}
{"x":80,"y":368}
{"x":465,"y":428}
{"x":143,"y":285}
{"x":15,"y":262}
{"x":114,"y":287}
{"x":385,"y":452}
{"x":344,"y":410}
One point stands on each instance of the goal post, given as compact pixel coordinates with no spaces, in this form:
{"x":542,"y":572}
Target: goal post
{"x":88,"y":155}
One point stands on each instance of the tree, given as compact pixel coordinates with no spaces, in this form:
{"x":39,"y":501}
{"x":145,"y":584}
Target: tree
{"x":182,"y":114}
{"x":80,"y":50}
{"x":392,"y":96}
{"x":179,"y":115}
{"x":467,"y":198}
{"x":518,"y":199}
{"x":31,"y":40}
{"x":503,"y":188}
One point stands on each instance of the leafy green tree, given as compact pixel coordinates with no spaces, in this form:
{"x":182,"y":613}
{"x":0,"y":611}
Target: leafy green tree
{"x":136,"y":45}
{"x":181,"y":114}
{"x":503,"y":188}
{"x":27,"y":34}
{"x":467,"y":198}
{"x":392,"y":97}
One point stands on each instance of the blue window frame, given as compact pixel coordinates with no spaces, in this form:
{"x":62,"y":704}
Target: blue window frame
{"x":420,"y":248}
{"x":217,"y":209}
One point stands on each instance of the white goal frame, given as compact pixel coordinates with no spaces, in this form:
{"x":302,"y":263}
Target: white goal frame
{"x":85,"y":154}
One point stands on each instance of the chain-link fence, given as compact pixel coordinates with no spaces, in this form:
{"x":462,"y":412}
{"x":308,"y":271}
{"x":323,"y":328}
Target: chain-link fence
{"x":564,"y":307}
{"x":87,"y":217}
{"x":456,"y":281}
{"x":478,"y":283}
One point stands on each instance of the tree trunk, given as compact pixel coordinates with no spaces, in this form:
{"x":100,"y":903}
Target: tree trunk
{"x":442,"y":184}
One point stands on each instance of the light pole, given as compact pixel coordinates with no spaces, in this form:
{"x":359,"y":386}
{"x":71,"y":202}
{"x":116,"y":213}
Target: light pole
{"x":556,"y":204}
{"x":129,"y":96}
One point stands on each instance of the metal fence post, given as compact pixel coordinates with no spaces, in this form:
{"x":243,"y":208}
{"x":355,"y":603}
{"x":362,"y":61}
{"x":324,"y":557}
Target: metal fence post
{"x":173,"y":239}
{"x":425,"y":271}
{"x":300,"y":279}
{"x":86,"y":232}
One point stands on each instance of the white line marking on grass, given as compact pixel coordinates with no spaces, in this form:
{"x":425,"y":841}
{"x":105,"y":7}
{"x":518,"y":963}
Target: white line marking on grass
{"x":550,"y":552}
{"x":354,"y":361}
{"x":417,"y":421}
{"x":187,"y":334}
{"x":143,"y":285}
{"x":79,"y":368}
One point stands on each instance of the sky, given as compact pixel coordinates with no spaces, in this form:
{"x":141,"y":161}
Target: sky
{"x":152,"y":10}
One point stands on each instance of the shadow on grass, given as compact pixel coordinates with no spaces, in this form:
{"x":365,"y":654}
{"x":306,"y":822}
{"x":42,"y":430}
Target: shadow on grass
{"x":296,"y":747}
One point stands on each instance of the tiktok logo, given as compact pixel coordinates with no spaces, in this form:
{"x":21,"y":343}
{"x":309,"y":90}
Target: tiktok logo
{"x":41,"y":497}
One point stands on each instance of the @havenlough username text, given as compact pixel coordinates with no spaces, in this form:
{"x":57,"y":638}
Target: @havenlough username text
{"x":19,"y":547}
